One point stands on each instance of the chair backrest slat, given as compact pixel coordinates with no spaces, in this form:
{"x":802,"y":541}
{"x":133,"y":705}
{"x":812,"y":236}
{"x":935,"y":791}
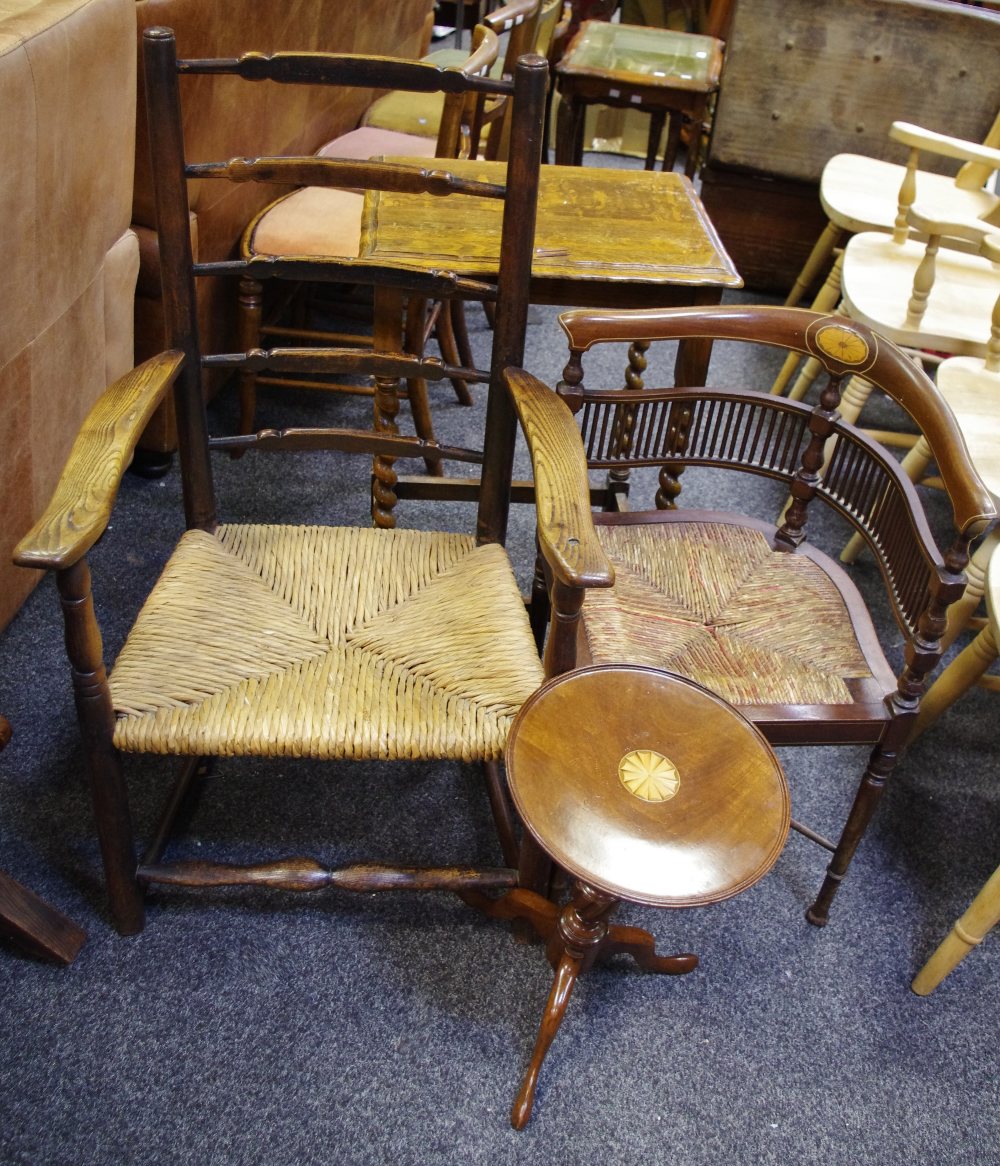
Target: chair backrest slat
{"x":770,"y":435}
{"x":509,"y":288}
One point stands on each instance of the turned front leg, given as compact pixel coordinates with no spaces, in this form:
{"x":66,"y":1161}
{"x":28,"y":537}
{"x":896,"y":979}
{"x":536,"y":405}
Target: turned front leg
{"x":97,"y":723}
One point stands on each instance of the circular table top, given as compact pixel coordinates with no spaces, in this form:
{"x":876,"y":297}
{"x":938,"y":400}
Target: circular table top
{"x":647,"y":786}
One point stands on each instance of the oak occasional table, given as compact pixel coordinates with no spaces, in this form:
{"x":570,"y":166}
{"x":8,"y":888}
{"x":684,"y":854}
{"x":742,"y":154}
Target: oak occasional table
{"x":645,"y":787}
{"x":603,"y":238}
{"x":655,"y":70}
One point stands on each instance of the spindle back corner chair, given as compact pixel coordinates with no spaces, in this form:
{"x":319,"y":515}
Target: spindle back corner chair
{"x":749,"y":610}
{"x":301,"y":641}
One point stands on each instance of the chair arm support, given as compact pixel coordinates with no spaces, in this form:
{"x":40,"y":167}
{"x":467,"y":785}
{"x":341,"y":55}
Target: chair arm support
{"x":566,"y":534}
{"x":80,"y":507}
{"x":917,"y":138}
{"x":924,"y":218}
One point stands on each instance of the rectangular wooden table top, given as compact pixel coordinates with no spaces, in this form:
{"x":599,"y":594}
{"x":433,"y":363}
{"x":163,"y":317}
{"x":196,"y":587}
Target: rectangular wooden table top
{"x":603,"y":237}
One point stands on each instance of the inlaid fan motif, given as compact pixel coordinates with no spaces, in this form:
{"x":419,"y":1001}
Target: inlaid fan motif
{"x":649,"y":775}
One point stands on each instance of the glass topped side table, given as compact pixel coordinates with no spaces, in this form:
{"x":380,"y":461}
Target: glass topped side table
{"x":629,"y":66}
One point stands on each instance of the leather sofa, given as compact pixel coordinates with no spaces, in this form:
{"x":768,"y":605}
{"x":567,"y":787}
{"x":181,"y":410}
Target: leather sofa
{"x":77,"y":174}
{"x":286,"y":119}
{"x":67,"y":85}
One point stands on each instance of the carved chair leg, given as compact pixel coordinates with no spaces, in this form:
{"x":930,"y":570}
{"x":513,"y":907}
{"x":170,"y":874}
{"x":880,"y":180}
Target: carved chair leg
{"x":819,"y":256}
{"x":673,"y":141}
{"x":960,"y":675}
{"x":460,"y":327}
{"x":413,"y":342}
{"x":827,"y":299}
{"x":448,"y":343}
{"x":882,"y":762}
{"x":982,"y":915}
{"x":35,"y":925}
{"x":657,"y":120}
{"x":960,"y":612}
{"x":538,"y":604}
{"x":250,"y":308}
{"x":388,"y":337}
{"x":534,"y":868}
{"x":503,"y":813}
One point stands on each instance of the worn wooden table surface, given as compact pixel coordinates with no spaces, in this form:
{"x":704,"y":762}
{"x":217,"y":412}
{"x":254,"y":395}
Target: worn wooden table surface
{"x":604,"y":238}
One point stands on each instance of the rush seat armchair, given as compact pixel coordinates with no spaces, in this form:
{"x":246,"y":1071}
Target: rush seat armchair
{"x":291,"y":640}
{"x":750,"y":610}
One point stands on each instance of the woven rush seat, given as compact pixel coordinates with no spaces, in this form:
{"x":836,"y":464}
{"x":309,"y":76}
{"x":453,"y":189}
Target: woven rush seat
{"x":714,"y":602}
{"x":327,"y":642}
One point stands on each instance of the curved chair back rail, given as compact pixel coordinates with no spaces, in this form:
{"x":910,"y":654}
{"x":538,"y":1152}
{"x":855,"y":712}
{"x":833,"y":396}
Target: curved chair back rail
{"x":843,"y":347}
{"x":744,"y":607}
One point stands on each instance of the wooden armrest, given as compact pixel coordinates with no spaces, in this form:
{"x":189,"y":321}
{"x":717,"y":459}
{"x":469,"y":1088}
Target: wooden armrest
{"x":924,"y":218}
{"x":566,"y":532}
{"x":921,"y":139}
{"x":81,"y":505}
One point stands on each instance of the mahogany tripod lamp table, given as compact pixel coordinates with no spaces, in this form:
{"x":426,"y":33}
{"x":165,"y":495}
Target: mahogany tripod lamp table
{"x":655,"y":70}
{"x":645,"y":787}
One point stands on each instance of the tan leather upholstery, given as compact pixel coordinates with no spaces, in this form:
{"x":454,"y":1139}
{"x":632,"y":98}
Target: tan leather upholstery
{"x":67,"y":91}
{"x":274,"y":119}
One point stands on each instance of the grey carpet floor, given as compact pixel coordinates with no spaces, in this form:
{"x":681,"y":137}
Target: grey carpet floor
{"x":274,"y":1029}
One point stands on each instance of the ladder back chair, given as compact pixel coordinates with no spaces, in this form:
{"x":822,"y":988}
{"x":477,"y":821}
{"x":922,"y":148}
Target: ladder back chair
{"x":285,"y":640}
{"x":323,"y":220}
{"x":749,"y":610}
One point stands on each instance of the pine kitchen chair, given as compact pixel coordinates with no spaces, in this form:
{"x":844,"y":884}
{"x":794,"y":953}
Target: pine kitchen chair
{"x":304,"y":641}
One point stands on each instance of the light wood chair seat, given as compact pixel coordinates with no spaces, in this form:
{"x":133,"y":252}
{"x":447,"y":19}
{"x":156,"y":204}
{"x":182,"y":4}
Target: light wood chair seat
{"x":856,"y":193}
{"x":297,"y":641}
{"x":316,"y":220}
{"x":878,"y":287}
{"x":860,"y":193}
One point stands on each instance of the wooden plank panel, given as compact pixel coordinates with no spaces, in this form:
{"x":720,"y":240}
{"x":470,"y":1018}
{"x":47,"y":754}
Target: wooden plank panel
{"x":804,"y":81}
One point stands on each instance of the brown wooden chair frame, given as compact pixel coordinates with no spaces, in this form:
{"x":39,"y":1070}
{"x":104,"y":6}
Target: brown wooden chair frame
{"x":81,"y":508}
{"x":617,"y":430}
{"x":466,"y":113}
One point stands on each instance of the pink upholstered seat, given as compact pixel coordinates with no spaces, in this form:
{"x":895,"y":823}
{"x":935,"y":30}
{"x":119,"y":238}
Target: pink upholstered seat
{"x":315,"y":221}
